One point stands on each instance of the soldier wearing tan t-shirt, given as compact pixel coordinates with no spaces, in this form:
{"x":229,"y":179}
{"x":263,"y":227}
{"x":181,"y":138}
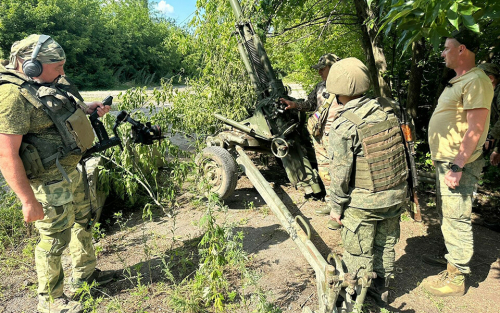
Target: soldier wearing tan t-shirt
{"x":457,"y":132}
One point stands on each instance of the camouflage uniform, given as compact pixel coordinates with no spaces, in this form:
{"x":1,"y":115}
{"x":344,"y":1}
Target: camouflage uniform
{"x":370,"y":219}
{"x":314,"y":101}
{"x":455,"y":209}
{"x":495,"y":118}
{"x":66,"y":209}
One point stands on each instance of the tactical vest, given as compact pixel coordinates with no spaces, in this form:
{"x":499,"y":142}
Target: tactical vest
{"x":71,"y":123}
{"x":383,"y":164}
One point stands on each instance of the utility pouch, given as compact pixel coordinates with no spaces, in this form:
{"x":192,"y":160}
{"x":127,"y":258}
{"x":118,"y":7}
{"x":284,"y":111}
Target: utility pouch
{"x":313,"y":125}
{"x":81,"y":129}
{"x":31,"y":160}
{"x":316,"y":121}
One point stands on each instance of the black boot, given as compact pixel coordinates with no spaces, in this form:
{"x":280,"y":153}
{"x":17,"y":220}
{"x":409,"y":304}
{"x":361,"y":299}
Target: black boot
{"x":379,"y":290}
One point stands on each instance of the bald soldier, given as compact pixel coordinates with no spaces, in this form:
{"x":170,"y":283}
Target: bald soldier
{"x":457,"y":132}
{"x":320,"y":121}
{"x":44,"y":132}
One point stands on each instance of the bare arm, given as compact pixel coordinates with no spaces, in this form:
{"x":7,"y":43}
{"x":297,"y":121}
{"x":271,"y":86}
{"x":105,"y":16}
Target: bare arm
{"x":476,"y":119}
{"x":13,"y":171}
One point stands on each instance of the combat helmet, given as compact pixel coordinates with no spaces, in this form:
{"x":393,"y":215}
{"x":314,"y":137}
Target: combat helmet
{"x":348,"y":77}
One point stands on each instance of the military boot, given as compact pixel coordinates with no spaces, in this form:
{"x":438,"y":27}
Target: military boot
{"x":98,"y":278}
{"x":447,"y":283}
{"x":435,"y":259}
{"x":379,"y":290}
{"x":323,"y":211}
{"x":58,"y":305}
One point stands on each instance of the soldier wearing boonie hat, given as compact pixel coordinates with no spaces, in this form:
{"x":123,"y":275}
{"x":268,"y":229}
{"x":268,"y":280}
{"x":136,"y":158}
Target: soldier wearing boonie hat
{"x":50,"y":51}
{"x":326,"y":60}
{"x":324,"y":113}
{"x":43,"y":135}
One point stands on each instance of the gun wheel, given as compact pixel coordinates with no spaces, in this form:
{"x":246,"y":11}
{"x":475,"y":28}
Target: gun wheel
{"x":217,"y":167}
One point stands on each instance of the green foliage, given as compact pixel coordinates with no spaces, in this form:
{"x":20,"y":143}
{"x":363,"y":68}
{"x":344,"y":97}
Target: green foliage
{"x":106,"y":42}
{"x":436,"y":18}
{"x":12,"y":229}
{"x":220,"y":250}
{"x":144,"y":173}
{"x":299,"y":32}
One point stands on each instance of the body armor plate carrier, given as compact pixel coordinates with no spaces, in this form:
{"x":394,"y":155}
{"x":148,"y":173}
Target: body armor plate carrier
{"x":71,"y":123}
{"x":383,"y":165}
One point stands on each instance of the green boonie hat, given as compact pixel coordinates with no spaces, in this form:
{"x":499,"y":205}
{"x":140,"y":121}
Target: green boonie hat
{"x":490,"y":69}
{"x":468,"y":38}
{"x":50,"y":52}
{"x":348,"y":77}
{"x":326,"y":60}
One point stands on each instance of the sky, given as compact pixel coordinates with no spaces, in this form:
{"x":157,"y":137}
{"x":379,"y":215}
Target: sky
{"x":180,"y":10}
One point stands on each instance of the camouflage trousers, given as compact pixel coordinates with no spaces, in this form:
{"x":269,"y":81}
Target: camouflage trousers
{"x":323,"y":162}
{"x":455,"y":209}
{"x":369,"y":237}
{"x":66,"y":214}
{"x":320,"y":149}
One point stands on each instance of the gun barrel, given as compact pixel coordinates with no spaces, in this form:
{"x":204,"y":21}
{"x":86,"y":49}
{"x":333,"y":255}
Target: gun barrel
{"x":236,"y":9}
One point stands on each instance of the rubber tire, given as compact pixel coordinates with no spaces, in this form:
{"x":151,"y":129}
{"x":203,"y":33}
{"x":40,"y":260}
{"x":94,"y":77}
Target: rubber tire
{"x":226,"y":176}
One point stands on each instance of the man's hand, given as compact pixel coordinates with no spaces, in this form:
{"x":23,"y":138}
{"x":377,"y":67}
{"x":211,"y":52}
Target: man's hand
{"x":489,"y":143}
{"x":495,"y":158}
{"x":101,"y":109}
{"x":452,"y":179}
{"x":32,"y":211}
{"x":336,"y":217}
{"x":289,"y":104}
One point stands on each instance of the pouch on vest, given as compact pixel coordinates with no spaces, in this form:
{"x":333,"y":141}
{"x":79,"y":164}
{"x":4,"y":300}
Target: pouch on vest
{"x":383,"y":165}
{"x":317,"y":120}
{"x":31,"y":160}
{"x":81,"y":129}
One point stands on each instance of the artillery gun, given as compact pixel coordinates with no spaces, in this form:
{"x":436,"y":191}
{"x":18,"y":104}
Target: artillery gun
{"x":272,"y":129}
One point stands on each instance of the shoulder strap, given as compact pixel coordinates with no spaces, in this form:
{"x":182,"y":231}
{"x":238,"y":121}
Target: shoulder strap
{"x":6,"y":78}
{"x":353,"y":118}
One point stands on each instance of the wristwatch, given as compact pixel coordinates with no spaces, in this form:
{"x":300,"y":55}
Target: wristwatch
{"x":455,"y":168}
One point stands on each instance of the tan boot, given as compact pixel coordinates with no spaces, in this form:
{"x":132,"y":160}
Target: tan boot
{"x":58,"y":305}
{"x":447,"y":283}
{"x":323,"y":211}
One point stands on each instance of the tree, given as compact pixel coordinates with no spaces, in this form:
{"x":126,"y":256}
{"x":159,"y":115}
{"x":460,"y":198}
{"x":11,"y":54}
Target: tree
{"x":374,"y":51}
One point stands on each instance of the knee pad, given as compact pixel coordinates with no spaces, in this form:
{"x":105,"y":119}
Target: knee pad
{"x":56,"y":243}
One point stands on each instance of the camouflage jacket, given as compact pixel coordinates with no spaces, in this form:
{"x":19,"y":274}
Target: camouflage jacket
{"x":314,"y":100}
{"x":495,"y":117}
{"x":343,"y":148}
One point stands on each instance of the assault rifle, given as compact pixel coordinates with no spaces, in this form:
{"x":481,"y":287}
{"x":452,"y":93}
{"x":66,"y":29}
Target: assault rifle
{"x":410,"y":157}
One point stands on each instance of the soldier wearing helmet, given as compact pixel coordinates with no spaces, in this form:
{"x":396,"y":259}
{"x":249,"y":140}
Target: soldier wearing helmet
{"x":324,"y":113}
{"x":368,"y":173}
{"x":43,"y":135}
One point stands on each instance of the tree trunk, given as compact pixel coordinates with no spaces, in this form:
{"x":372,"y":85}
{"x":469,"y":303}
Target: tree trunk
{"x":372,"y":44}
{"x":416,"y":75}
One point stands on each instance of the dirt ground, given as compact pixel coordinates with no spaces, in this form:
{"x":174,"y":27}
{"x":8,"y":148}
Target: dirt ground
{"x":284,"y":272}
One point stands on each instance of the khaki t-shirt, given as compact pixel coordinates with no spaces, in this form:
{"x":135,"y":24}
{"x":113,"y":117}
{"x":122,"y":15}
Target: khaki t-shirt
{"x":19,"y":117}
{"x":448,"y":123}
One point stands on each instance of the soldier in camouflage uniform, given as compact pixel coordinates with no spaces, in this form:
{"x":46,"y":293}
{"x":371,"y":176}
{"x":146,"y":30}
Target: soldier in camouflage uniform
{"x":50,"y":187}
{"x":323,"y":117}
{"x":457,"y":132}
{"x":368,"y":173}
{"x":493,"y":72}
